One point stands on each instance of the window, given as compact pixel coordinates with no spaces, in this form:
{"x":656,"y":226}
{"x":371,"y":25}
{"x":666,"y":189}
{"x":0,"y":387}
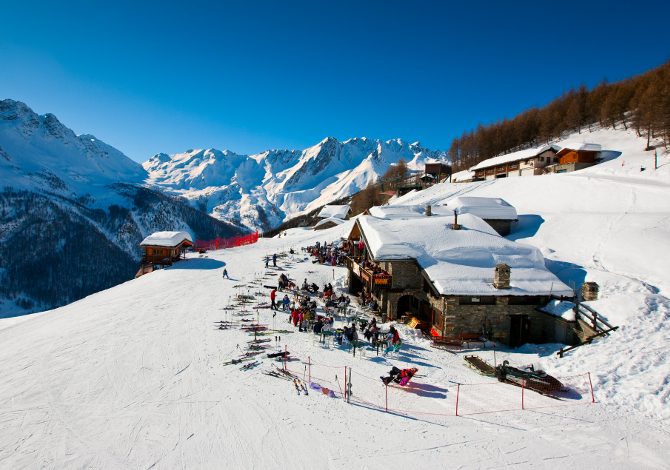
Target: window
{"x":471,"y":300}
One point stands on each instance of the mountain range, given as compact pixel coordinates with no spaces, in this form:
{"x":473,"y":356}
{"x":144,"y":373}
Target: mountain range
{"x":73,"y":209}
{"x":263,"y":190}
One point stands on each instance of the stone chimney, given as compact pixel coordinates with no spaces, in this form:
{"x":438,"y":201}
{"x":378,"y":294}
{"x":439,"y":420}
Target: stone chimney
{"x":429,"y":210}
{"x":590,"y":291}
{"x":501,"y":276}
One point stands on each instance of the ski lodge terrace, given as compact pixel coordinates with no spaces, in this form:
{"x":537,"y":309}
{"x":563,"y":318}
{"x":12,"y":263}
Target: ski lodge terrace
{"x":455,"y":275}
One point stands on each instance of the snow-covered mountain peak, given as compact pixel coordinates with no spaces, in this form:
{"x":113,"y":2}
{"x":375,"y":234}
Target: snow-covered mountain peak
{"x":282,"y":183}
{"x":39,"y":152}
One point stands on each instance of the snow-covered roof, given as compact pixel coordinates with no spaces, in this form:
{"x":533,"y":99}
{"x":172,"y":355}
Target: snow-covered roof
{"x":460,"y":262}
{"x":334,"y":220}
{"x":332,"y":210}
{"x":166,"y":238}
{"x":462,"y":175}
{"x":580,"y":146}
{"x":490,"y":208}
{"x":513,"y":157}
{"x":397,"y":211}
{"x":561,"y":308}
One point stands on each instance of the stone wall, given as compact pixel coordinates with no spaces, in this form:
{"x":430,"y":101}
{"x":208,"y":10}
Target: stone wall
{"x":405,"y":274}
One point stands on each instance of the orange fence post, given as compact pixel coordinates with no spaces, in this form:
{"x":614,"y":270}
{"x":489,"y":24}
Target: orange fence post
{"x":593,"y":398}
{"x":387,"y":397}
{"x":523,"y":387}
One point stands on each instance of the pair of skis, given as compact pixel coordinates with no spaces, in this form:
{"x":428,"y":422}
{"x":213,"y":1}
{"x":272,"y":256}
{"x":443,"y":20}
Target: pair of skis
{"x":250,"y":366}
{"x":300,"y":386}
{"x":238,"y":361}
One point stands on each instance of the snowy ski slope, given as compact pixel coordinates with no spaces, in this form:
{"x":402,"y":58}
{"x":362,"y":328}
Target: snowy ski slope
{"x":133,"y":377}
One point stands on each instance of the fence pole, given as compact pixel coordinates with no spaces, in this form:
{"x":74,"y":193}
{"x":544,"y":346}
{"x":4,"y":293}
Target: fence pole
{"x":593,"y":398}
{"x":309,"y":365}
{"x":523,"y":387}
{"x":458,"y":393}
{"x":285,"y":351}
{"x":387,"y":397}
{"x":345,"y":383}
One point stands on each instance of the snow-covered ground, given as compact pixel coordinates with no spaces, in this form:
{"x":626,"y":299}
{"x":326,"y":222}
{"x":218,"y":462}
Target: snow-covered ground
{"x":133,"y":377}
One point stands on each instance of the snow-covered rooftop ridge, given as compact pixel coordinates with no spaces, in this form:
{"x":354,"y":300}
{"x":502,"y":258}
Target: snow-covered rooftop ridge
{"x":460,"y":262}
{"x":582,"y":146}
{"x":335,"y":220}
{"x":514,"y":156}
{"x":166,"y":238}
{"x":334,"y":210}
{"x":393,"y":211}
{"x":490,"y":208}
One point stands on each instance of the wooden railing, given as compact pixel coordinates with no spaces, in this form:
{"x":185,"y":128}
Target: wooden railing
{"x":368,"y":276}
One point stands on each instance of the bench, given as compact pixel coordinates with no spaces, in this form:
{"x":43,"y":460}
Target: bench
{"x":459,"y":340}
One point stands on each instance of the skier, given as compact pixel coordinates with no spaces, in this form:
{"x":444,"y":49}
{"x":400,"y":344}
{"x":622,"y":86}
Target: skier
{"x":274,"y":260}
{"x":394,"y":338}
{"x":285,"y":302}
{"x":398,"y":376}
{"x":225,"y":274}
{"x":273,"y":296}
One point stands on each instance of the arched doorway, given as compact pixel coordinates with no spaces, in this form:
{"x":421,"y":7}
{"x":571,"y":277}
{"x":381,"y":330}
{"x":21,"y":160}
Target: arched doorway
{"x":407,"y":305}
{"x":410,"y":305}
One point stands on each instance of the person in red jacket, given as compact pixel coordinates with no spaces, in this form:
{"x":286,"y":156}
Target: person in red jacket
{"x":294,"y":316}
{"x":273,"y":296}
{"x":399,"y":376}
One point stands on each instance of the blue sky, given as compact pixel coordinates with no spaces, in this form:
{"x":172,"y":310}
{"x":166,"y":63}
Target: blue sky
{"x":150,"y":77}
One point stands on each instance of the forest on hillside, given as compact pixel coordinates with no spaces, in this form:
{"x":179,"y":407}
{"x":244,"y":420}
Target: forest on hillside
{"x":641,"y":102}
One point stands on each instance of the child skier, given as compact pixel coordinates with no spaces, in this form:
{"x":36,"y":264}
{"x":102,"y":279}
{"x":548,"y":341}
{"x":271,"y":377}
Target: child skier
{"x":399,"y":376}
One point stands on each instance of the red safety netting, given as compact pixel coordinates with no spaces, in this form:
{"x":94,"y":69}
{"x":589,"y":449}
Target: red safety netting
{"x":231,"y":242}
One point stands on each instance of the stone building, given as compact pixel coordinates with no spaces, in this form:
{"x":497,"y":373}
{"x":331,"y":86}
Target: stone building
{"x":453,"y":277}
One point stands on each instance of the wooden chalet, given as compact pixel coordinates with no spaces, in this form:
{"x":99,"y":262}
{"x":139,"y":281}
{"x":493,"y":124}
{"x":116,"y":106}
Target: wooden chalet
{"x":522,"y":163}
{"x":438,"y":170}
{"x":575,"y":156}
{"x":163,"y":249}
{"x":433,"y":173}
